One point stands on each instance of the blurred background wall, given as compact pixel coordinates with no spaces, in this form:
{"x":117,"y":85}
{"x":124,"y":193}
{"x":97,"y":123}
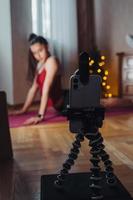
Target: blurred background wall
{"x":113,"y":21}
{"x":71,"y":26}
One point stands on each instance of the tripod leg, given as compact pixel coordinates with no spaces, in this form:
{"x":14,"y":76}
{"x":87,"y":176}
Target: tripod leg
{"x":70,"y":161}
{"x":111,"y":180}
{"x":95,"y":170}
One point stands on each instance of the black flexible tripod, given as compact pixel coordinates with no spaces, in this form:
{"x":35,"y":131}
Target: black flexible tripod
{"x":92,"y":119}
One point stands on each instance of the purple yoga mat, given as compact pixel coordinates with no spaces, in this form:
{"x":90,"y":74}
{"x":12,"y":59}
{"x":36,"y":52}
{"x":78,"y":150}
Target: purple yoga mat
{"x":51,"y":116}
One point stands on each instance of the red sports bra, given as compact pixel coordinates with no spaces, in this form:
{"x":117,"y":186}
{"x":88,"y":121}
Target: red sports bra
{"x":40,"y":79}
{"x":55,"y":91}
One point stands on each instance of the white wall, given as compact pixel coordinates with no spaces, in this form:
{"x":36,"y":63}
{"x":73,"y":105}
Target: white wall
{"x":113,"y":21}
{"x":6,"y":77}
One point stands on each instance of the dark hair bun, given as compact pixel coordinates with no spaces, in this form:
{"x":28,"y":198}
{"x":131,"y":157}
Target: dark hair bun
{"x":33,"y":39}
{"x":32,"y":36}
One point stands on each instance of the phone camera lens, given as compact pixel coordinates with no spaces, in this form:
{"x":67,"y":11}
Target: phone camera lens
{"x":75,"y":86}
{"x":75,"y":80}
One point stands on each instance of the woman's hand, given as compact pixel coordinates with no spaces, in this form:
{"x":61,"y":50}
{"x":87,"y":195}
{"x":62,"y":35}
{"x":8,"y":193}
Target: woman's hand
{"x":32,"y":121}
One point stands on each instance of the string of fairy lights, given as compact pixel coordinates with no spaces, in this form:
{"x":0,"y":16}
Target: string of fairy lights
{"x":97,"y":67}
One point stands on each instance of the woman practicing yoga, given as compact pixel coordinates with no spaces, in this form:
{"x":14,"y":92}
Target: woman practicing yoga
{"x":44,"y":72}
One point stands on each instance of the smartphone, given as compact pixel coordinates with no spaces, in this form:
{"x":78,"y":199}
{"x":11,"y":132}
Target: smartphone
{"x":83,"y":96}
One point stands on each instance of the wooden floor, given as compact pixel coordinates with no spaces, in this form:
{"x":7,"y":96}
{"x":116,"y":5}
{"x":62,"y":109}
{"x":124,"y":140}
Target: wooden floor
{"x":41,"y":150}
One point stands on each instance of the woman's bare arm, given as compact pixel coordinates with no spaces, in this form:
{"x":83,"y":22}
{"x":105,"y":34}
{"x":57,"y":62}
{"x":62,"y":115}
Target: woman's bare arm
{"x":30,"y":96}
{"x":29,"y":99}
